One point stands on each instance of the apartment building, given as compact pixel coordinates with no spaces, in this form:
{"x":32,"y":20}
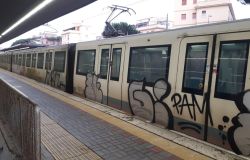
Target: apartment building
{"x":198,"y":12}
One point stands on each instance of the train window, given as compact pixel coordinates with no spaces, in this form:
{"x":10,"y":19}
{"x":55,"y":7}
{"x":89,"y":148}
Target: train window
{"x":85,"y":62}
{"x":28,"y":59}
{"x":48,"y":60}
{"x":20,"y":59}
{"x":195,"y":68}
{"x":116,"y":61}
{"x":59,"y":61}
{"x":13,"y":59}
{"x":16,"y":59}
{"x":232,"y":67}
{"x":34,"y":60}
{"x":104,"y":63}
{"x":40,"y":60}
{"x":149,"y":63}
{"x":23,"y":59}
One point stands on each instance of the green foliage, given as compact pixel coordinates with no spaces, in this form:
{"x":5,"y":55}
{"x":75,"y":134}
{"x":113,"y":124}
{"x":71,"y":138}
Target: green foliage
{"x":119,"y":29}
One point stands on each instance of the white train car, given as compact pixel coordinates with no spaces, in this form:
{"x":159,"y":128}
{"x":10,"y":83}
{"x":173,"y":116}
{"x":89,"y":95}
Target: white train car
{"x":5,"y":61}
{"x":45,"y":64}
{"x":194,"y":80}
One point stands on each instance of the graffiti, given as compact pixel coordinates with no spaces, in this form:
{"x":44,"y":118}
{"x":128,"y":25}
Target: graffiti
{"x":221,"y":129}
{"x":52,"y":78}
{"x":180,"y":103}
{"x":190,"y":125}
{"x":142,"y":102}
{"x":239,"y":133}
{"x":93,"y":88}
{"x":163,"y":114}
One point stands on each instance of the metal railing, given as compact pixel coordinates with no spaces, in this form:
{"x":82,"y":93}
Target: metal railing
{"x":19,"y":123}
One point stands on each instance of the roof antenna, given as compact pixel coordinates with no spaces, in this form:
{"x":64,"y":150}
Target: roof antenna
{"x":111,"y":17}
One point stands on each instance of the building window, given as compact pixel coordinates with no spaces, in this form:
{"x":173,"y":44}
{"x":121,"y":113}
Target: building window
{"x":85,"y":62}
{"x":194,"y":15}
{"x":194,"y":1}
{"x":183,"y":16}
{"x":184,"y":2}
{"x":149,"y":63}
{"x":232,"y":68}
{"x":203,"y":13}
{"x":195,"y":68}
{"x":59,"y":61}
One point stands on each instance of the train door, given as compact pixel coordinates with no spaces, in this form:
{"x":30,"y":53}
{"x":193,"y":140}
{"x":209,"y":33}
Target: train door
{"x":110,"y":68}
{"x":192,"y":85}
{"x":230,"y":77}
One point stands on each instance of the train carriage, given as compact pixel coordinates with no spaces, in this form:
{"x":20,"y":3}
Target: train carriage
{"x":185,"y":79}
{"x":194,"y":80}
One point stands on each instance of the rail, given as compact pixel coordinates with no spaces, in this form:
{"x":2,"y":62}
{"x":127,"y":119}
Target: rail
{"x":19,"y":123}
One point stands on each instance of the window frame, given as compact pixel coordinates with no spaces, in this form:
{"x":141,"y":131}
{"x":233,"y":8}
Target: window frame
{"x":194,"y":15}
{"x":49,"y":63}
{"x":38,"y":59}
{"x":62,"y":70}
{"x":203,"y":13}
{"x":184,"y":2}
{"x":111,"y":76}
{"x":150,"y":84}
{"x":183,"y":16}
{"x":32,"y":61}
{"x":77,"y":64}
{"x":19,"y":59}
{"x":26,"y":65}
{"x":24,"y":59}
{"x":225,"y":96}
{"x":102,"y":76}
{"x":191,"y":90}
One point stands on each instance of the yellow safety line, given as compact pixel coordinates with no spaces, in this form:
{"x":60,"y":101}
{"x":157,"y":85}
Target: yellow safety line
{"x":166,"y":145}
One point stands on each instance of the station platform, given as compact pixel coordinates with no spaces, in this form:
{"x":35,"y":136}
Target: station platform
{"x":73,"y":128}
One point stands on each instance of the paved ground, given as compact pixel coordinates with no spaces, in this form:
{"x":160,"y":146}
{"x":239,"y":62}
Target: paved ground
{"x":106,"y":140}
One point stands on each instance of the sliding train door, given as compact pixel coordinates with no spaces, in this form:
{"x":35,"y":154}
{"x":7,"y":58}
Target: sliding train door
{"x":110,"y":68}
{"x":229,"y":98}
{"x":189,"y":100}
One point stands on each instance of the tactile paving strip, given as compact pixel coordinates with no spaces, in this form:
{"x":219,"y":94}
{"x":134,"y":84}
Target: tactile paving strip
{"x":61,"y":144}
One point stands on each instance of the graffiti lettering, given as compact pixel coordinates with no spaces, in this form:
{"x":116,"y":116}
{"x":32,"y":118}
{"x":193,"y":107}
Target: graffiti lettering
{"x":142,"y":102}
{"x":239,"y":133}
{"x":180,"y":103}
{"x":52,"y":78}
{"x":93,"y":88}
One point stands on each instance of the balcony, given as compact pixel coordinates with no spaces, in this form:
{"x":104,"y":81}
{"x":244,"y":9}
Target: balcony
{"x":211,"y":3}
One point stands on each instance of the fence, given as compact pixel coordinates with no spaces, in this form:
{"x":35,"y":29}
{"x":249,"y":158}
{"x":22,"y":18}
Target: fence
{"x":19,"y":123}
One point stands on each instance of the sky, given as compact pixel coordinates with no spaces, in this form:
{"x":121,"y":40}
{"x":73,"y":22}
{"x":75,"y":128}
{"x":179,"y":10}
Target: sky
{"x":95,"y":15}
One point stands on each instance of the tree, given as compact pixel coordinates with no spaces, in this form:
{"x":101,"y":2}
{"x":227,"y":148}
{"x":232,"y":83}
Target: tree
{"x":244,"y":1}
{"x":119,"y":29}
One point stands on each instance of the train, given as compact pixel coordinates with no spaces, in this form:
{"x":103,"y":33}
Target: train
{"x":194,"y":80}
